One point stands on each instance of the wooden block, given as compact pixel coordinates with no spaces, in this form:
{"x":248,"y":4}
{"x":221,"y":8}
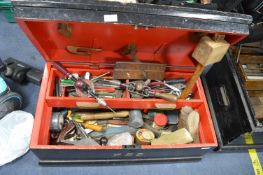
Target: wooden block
{"x":192,"y":125}
{"x":181,"y":136}
{"x":256,"y":100}
{"x":255,"y":44}
{"x":251,"y":59}
{"x":259,"y":112}
{"x":254,"y":85}
{"x":252,"y":79}
{"x":139,"y":71}
{"x":184,"y":112}
{"x":255,"y":93}
{"x":209,"y":51}
{"x":257,"y":104}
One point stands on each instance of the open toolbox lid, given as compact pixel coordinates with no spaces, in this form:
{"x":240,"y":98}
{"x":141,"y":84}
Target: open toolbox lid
{"x":161,"y":34}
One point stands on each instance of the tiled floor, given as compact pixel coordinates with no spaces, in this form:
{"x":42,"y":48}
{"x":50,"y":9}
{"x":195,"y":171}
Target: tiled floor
{"x":13,"y":43}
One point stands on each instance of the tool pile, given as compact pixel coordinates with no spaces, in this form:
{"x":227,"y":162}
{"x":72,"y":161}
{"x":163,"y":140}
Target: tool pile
{"x":106,"y":86}
{"x":122,"y":127}
{"x":133,"y":80}
{"x":125,"y":127}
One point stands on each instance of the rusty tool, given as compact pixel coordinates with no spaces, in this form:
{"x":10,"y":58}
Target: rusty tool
{"x":146,"y":91}
{"x":67,"y":132}
{"x":65,"y":29}
{"x":82,"y":50}
{"x":138,"y":71}
{"x":75,"y":131}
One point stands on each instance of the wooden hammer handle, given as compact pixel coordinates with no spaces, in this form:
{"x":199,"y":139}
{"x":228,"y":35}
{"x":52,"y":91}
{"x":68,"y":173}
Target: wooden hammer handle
{"x":168,"y":97}
{"x":102,"y":115}
{"x":190,"y":84}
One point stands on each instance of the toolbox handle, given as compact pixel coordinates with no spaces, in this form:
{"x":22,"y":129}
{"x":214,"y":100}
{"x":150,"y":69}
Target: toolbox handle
{"x":87,"y":105}
{"x":165,"y":106}
{"x":222,"y":97}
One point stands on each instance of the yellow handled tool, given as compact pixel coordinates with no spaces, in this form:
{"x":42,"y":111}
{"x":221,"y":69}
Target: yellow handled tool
{"x":94,"y":127}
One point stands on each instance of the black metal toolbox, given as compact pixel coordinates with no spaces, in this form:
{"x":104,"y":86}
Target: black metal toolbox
{"x":230,"y":106}
{"x":153,"y":28}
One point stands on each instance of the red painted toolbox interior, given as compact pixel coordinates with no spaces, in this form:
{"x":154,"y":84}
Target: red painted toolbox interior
{"x":159,"y":45}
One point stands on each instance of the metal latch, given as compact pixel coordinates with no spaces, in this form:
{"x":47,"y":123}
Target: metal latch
{"x":222,"y":97}
{"x":131,"y":147}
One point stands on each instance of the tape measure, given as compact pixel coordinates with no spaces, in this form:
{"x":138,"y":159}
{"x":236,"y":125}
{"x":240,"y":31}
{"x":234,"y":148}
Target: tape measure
{"x":253,"y":155}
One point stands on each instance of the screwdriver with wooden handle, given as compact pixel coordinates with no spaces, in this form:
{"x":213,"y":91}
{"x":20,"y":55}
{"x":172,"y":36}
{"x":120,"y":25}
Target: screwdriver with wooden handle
{"x":102,"y":115}
{"x":94,"y":127}
{"x":208,"y":51}
{"x":165,"y":96}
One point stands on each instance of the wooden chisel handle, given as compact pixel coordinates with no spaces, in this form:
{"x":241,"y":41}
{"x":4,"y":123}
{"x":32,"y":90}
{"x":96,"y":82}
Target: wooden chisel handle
{"x":102,"y":115}
{"x":168,"y":97}
{"x":190,"y":84}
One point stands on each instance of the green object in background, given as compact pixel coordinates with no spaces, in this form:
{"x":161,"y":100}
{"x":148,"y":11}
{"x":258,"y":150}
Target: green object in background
{"x":191,"y":1}
{"x":6,"y":7}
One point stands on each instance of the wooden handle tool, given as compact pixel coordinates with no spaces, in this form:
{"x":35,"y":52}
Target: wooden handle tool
{"x":208,"y":51}
{"x":102,"y":115}
{"x":94,"y":127}
{"x":168,"y":97}
{"x":190,"y":84}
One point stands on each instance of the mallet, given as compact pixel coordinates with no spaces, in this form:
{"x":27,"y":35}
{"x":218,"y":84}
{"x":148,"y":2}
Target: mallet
{"x":208,"y":51}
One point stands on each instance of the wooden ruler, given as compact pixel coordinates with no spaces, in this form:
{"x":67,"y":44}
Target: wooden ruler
{"x":253,"y":155}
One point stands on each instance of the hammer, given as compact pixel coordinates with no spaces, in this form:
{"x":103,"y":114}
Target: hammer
{"x":208,"y":51}
{"x":135,"y":117}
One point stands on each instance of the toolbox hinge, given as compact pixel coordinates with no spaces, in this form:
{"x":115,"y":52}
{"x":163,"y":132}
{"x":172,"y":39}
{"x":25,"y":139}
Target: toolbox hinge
{"x":91,"y":65}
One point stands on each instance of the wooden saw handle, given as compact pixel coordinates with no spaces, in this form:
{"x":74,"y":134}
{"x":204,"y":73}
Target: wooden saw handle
{"x":102,"y":115}
{"x":190,"y":84}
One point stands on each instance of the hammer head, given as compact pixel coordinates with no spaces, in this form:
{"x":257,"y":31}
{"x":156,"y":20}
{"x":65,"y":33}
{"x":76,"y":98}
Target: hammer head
{"x":209,"y":51}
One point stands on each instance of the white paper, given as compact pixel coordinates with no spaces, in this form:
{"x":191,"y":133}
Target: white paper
{"x":111,"y":18}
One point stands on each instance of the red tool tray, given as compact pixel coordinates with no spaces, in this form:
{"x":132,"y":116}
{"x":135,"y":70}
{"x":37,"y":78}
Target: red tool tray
{"x":168,"y":45}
